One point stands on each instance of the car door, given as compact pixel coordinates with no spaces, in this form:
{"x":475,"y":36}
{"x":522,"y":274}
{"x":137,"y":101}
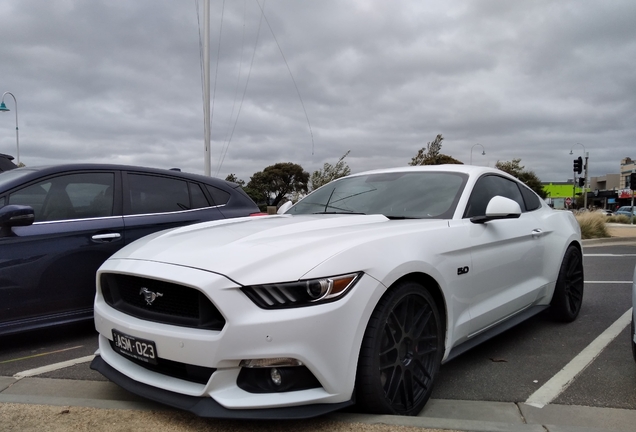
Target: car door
{"x":156,"y":202}
{"x":47,"y":269}
{"x":507,"y":256}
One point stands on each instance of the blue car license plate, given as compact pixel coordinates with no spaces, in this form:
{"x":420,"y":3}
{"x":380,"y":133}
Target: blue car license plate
{"x":134,"y":347}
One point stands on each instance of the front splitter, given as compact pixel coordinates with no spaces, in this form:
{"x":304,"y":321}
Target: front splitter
{"x":208,"y":407}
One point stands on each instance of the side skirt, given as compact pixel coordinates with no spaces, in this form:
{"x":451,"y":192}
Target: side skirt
{"x":494,"y":331}
{"x":40,"y":322}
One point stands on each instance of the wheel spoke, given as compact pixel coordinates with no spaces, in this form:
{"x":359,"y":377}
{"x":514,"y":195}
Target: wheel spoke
{"x":389,"y":341}
{"x":422,"y":368}
{"x":393,"y":384}
{"x":422,"y":320}
{"x":409,"y":393}
{"x":394,"y":326}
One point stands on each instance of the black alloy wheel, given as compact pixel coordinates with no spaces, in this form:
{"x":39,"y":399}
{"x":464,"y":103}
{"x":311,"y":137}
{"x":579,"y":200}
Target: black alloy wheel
{"x":568,"y":293}
{"x":401,"y":352}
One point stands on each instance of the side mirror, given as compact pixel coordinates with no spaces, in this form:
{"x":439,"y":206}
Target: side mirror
{"x":15,"y":215}
{"x":282,"y":209}
{"x":499,"y":208}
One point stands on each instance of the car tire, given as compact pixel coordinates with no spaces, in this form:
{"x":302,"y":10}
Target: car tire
{"x":568,"y":292}
{"x":401,"y":352}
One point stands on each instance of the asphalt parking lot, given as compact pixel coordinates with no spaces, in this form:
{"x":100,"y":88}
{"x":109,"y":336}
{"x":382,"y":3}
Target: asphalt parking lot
{"x":538,"y":376}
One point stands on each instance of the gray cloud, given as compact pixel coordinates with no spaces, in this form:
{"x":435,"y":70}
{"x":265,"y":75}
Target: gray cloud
{"x":120,"y":81}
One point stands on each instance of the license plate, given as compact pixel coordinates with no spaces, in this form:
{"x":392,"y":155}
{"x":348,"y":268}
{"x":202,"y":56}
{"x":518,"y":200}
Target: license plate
{"x":134,"y":347}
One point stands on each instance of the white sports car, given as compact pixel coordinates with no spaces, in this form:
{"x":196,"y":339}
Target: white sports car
{"x":356,"y":294}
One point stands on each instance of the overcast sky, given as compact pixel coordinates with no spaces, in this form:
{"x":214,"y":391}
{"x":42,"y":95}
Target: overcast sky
{"x":121,"y":81}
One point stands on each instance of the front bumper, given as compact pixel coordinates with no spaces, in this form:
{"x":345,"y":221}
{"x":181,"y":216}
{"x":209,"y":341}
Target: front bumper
{"x":208,"y":407}
{"x":325,"y":338}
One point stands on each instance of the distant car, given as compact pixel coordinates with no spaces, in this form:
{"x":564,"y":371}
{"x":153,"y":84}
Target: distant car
{"x":6,"y":162}
{"x":605,"y":212}
{"x":625,"y":210}
{"x":356,"y":294}
{"x":633,"y":333}
{"x":58,"y":224}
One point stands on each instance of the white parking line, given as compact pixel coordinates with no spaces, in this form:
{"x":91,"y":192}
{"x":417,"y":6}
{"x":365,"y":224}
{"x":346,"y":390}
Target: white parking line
{"x":53,"y":367}
{"x":609,"y":255}
{"x":559,"y":382}
{"x":609,"y":282}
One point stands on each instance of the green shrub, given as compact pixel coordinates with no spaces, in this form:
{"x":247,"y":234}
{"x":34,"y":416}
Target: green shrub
{"x":593,"y":225}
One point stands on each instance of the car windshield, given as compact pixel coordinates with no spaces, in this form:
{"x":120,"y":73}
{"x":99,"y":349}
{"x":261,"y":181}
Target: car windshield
{"x":397,"y":195}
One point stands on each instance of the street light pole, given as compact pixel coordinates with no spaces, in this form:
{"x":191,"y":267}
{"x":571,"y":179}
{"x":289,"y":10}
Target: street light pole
{"x":471,"y":152}
{"x":3,"y":108}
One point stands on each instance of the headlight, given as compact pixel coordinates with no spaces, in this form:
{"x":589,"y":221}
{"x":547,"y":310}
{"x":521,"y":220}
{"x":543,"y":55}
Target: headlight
{"x":302,"y":293}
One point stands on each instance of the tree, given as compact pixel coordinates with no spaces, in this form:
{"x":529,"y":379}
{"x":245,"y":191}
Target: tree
{"x":431,"y":154}
{"x":330,"y":172}
{"x":528,"y":177}
{"x":232,"y":178}
{"x":277,"y":181}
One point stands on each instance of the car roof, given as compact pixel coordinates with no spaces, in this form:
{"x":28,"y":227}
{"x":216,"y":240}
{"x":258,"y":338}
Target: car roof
{"x":472,"y":170}
{"x":39,"y":171}
{"x":6,"y":163}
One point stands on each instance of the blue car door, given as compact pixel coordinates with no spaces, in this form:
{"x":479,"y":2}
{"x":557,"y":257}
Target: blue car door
{"x":47,"y":269}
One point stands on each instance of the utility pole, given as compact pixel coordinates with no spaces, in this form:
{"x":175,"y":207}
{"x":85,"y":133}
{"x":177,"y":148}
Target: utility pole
{"x":206,"y":86}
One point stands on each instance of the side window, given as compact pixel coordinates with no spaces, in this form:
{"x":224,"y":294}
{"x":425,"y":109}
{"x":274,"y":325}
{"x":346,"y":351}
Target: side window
{"x":197,"y":196}
{"x":153,"y":194}
{"x":531,"y":199}
{"x":219,"y":197}
{"x":71,"y":196}
{"x":488,"y":187}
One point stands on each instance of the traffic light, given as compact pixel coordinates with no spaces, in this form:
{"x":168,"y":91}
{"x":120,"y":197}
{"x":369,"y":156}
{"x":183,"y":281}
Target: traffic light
{"x":632,"y":181}
{"x":581,"y":181}
{"x":578,"y":165}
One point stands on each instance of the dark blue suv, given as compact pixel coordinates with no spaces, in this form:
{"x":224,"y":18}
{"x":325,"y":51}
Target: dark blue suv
{"x":58,"y":224}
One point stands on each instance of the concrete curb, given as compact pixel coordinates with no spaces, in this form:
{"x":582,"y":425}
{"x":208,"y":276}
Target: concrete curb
{"x":474,"y":416}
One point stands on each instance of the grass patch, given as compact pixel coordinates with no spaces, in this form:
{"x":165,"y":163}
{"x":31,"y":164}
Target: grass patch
{"x":619,"y":219}
{"x":593,"y":224}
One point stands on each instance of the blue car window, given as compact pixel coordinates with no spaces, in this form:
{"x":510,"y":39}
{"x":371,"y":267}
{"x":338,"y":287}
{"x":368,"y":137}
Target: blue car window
{"x":219,"y":197}
{"x":197,"y":196}
{"x":69,"y":196}
{"x":153,"y":194}
{"x":33,"y":196}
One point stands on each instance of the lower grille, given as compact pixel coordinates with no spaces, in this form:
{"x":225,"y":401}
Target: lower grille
{"x":160,"y":301}
{"x":186,"y":372}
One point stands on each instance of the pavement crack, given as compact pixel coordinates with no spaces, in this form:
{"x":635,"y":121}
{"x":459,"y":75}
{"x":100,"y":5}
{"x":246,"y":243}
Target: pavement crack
{"x":523,"y":418}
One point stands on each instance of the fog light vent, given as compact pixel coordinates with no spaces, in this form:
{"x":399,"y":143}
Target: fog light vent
{"x":276,"y":379}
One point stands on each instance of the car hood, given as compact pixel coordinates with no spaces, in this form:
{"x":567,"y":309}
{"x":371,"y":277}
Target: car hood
{"x":269,"y":249}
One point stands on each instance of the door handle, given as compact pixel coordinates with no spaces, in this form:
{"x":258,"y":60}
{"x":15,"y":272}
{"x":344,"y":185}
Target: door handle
{"x":537,"y":232}
{"x":109,"y":237}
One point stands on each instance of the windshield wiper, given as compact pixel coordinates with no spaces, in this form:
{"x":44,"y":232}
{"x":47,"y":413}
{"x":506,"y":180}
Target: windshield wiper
{"x":401,"y":217}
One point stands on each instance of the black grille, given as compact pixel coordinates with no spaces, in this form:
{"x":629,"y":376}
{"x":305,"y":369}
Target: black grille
{"x":187,"y":372}
{"x":173,"y":304}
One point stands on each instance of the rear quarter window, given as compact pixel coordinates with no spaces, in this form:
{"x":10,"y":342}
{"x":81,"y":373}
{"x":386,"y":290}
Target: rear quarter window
{"x":219,"y":197}
{"x":531,"y":199}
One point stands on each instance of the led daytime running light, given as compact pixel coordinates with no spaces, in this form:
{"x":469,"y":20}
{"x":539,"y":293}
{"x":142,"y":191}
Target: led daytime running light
{"x":268,"y":363}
